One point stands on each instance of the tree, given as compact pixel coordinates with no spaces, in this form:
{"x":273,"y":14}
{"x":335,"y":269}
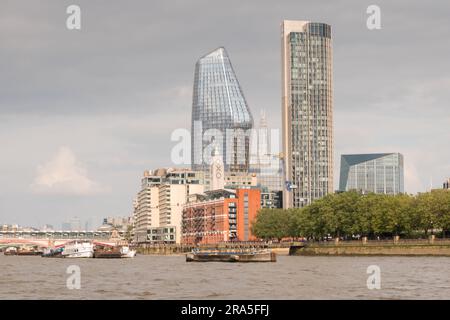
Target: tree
{"x":365,"y":210}
{"x":351,"y":213}
{"x":439,"y":207}
{"x":272,"y":224}
{"x":443,"y":200}
{"x":424,"y":216}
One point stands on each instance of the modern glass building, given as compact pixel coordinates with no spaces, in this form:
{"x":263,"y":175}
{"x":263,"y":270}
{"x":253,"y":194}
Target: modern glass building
{"x":219,"y":105}
{"x":307,"y":112}
{"x":378,"y":173}
{"x":265,"y":158}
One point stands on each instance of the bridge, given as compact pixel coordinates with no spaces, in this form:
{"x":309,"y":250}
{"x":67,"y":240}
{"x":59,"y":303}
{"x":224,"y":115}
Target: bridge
{"x":57,"y":238}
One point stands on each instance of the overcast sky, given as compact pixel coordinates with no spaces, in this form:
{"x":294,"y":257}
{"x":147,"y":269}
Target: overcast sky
{"x":84,"y":113}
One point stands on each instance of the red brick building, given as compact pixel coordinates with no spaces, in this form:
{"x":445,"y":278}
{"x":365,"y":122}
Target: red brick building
{"x":219,"y":216}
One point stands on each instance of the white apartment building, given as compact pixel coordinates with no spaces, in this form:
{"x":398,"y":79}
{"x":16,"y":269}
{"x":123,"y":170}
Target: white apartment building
{"x":160,"y":203}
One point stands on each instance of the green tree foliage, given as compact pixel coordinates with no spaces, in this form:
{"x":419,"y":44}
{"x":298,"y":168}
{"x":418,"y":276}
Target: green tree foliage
{"x":351,"y":214}
{"x":272,"y":224}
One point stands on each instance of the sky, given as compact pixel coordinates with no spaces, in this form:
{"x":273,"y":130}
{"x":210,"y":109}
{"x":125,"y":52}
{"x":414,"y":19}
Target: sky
{"x":84,"y":112}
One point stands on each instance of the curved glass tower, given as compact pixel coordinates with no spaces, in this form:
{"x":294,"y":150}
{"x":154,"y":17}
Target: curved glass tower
{"x":220,"y":115}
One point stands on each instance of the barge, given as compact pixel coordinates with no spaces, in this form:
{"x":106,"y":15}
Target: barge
{"x":233,"y":256}
{"x":28,"y":252}
{"x":13,"y":251}
{"x":107,"y":254}
{"x":114,"y":253}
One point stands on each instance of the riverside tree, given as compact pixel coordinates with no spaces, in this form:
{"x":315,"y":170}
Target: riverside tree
{"x":351,"y":214}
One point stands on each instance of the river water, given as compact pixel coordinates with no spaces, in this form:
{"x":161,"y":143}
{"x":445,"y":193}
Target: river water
{"x":170,"y":277}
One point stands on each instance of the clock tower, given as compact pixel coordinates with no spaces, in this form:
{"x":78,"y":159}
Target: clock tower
{"x":217,"y":172}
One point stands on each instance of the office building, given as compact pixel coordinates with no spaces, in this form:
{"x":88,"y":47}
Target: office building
{"x":265,"y":160}
{"x":272,"y":199}
{"x":378,"y":173}
{"x":116,"y":223}
{"x":241,"y":181}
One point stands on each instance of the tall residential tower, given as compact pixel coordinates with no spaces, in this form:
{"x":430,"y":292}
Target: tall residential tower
{"x":307,"y":111}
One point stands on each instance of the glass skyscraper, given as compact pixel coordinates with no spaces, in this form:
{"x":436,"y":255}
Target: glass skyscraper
{"x":378,"y":173}
{"x":219,"y":105}
{"x":307,"y":112}
{"x":265,"y":159}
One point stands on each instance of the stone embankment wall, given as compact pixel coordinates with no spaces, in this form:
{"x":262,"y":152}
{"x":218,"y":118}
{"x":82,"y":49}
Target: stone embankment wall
{"x":399,"y":249}
{"x":280,"y":249}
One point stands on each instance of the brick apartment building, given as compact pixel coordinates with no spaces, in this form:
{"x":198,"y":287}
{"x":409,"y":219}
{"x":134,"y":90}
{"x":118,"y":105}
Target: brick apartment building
{"x":220,"y":216}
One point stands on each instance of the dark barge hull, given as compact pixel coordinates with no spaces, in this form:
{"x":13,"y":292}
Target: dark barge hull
{"x":30,"y":253}
{"x":231,"y":257}
{"x":107,"y":255}
{"x":52,"y":255}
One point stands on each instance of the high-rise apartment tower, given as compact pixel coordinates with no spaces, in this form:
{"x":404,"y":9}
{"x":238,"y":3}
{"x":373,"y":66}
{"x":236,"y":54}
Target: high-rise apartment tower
{"x":307,"y":112}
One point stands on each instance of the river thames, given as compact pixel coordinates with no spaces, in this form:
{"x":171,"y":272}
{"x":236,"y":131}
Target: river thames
{"x":170,"y":277}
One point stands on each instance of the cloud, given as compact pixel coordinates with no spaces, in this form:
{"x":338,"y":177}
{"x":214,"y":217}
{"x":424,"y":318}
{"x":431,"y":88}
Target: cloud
{"x":63,"y":174}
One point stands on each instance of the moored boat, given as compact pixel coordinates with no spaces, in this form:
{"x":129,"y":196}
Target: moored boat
{"x":127,"y":252}
{"x":231,"y":256}
{"x":107,"y":254}
{"x":78,"y":250}
{"x":10,"y":251}
{"x":53,"y":253}
{"x":29,"y":252}
{"x":114,"y":253}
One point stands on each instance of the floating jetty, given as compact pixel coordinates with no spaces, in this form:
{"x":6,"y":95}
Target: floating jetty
{"x":234,"y":256}
{"x":29,"y":252}
{"x":13,"y":251}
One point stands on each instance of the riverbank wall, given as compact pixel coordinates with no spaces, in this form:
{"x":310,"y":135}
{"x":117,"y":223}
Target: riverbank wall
{"x":179,"y":249}
{"x":421,"y":248}
{"x":395,"y":247}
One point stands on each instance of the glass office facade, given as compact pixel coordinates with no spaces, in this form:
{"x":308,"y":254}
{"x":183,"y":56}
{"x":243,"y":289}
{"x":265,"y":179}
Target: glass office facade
{"x":219,"y":105}
{"x":307,"y":112}
{"x":378,"y":173}
{"x":265,"y":158}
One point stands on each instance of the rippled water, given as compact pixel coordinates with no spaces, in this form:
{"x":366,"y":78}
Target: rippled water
{"x":170,"y":277}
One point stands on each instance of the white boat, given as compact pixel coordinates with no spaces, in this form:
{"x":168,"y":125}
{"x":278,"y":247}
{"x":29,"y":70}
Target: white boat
{"x":10,"y":251}
{"x":126,"y":252}
{"x":78,"y":250}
